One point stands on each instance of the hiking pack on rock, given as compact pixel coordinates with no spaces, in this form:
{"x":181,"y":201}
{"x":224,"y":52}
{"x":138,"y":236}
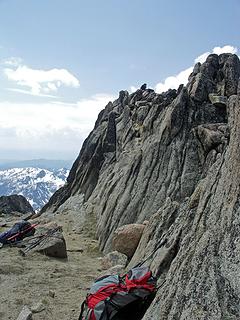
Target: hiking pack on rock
{"x":18,"y":232}
{"x":116,"y":297}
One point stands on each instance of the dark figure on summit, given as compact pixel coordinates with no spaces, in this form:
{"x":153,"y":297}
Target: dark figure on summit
{"x":144,"y":86}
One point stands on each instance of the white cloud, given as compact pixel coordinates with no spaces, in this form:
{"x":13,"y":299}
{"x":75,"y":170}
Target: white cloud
{"x":133,"y":89}
{"x":216,"y":50}
{"x":39,"y":82}
{"x":30,"y":93}
{"x":49,"y":126}
{"x":173,"y":82}
{"x":13,"y":61}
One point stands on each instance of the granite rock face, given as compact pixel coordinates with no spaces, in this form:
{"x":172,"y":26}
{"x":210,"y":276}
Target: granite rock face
{"x":172,"y":159}
{"x":15,"y":203}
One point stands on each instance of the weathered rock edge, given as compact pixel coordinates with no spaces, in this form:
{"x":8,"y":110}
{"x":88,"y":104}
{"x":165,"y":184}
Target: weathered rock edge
{"x":172,"y":159}
{"x":15,"y":204}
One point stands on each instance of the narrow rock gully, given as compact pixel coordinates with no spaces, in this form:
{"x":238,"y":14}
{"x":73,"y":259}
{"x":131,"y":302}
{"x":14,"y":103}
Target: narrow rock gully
{"x":53,"y":288}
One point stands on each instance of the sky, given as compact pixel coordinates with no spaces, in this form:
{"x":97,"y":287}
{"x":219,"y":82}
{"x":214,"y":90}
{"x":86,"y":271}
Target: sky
{"x":62,"y":61}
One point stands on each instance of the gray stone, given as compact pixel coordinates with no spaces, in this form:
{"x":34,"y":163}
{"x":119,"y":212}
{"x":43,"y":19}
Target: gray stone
{"x":25,"y":314}
{"x":38,"y":307}
{"x":112,"y":259}
{"x":201,"y":257}
{"x":53,"y":245}
{"x":51,"y":293}
{"x":118,"y":269}
{"x":3,"y":223}
{"x":231,"y":73}
{"x":219,"y":101}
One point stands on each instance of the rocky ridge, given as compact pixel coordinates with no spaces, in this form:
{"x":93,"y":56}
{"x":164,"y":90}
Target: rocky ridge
{"x":15,"y":204}
{"x":172,"y":159}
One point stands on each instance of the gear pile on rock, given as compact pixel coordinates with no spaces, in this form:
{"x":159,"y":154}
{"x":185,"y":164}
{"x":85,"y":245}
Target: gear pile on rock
{"x":17,"y":233}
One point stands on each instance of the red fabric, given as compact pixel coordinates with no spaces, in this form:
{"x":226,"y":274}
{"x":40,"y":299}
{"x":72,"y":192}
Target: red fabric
{"x":105,"y":292}
{"x":22,"y":232}
{"x":92,"y":316}
{"x":140,"y":282}
{"x":102,"y":294}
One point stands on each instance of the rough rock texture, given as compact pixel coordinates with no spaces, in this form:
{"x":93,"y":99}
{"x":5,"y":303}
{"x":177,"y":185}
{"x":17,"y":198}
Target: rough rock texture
{"x":112,"y":259}
{"x":126,"y":238}
{"x":56,"y":248}
{"x":200,"y":262}
{"x":25,"y":314}
{"x":172,"y":159}
{"x":52,"y":244}
{"x":118,"y":269}
{"x":15,"y":203}
{"x":218,"y":101}
{"x":38,"y":307}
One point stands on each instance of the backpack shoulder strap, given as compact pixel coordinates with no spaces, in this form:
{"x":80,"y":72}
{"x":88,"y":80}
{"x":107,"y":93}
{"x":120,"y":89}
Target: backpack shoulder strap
{"x":82,"y":310}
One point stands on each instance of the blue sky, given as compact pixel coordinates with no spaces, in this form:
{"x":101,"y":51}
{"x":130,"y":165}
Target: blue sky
{"x":61,"y":61}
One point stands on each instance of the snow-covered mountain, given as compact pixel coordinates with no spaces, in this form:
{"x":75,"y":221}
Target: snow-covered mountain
{"x":35,"y":184}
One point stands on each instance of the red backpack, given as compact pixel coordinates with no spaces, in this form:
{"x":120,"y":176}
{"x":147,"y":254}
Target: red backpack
{"x":116,"y":297}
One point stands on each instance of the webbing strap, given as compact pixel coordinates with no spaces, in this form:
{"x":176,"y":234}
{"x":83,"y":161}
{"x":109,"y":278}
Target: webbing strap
{"x":150,"y":256}
{"x":82,"y":310}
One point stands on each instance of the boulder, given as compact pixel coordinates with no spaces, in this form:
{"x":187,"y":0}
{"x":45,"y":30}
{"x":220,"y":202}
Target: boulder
{"x":15,"y":203}
{"x":55,"y":247}
{"x":127,"y":237}
{"x":52,"y":243}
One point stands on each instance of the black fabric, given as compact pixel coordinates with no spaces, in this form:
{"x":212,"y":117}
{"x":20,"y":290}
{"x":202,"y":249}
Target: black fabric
{"x":128,"y":307}
{"x":82,"y":311}
{"x":134,"y":310}
{"x":20,"y":227}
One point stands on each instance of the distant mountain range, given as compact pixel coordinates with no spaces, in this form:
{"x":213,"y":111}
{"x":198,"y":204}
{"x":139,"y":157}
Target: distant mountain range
{"x":36,"y":180}
{"x":35,"y":163}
